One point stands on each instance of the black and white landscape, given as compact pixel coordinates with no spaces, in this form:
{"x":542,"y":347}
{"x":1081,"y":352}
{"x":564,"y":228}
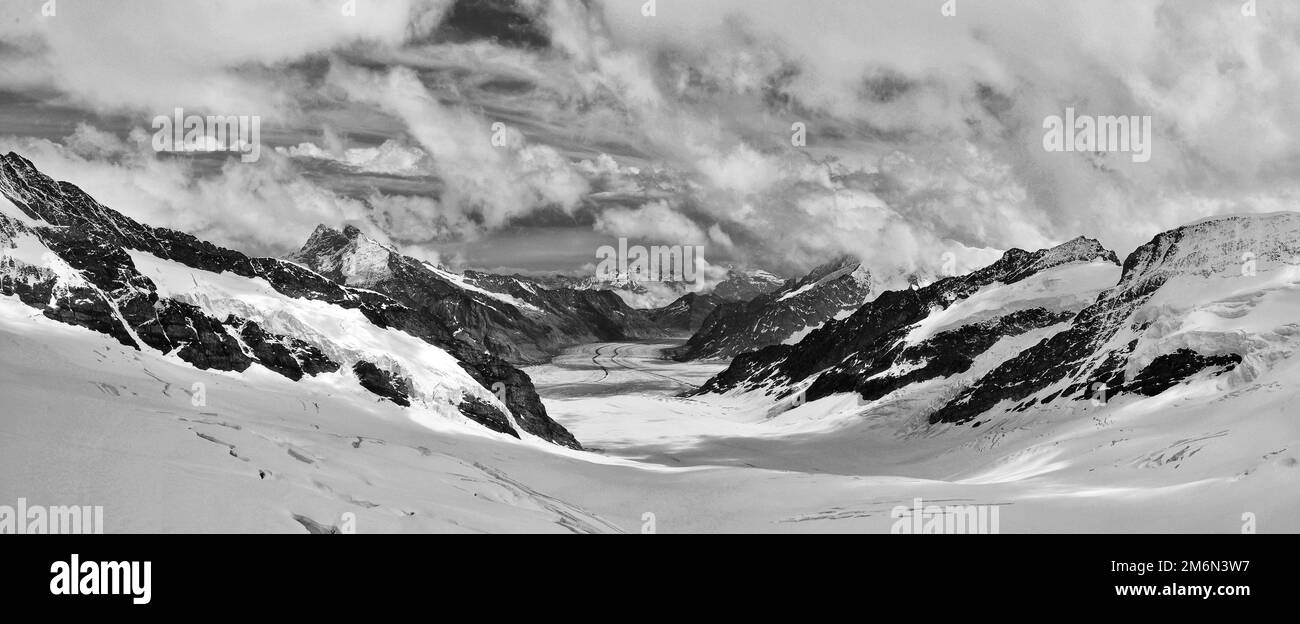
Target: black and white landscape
{"x":649,"y":266}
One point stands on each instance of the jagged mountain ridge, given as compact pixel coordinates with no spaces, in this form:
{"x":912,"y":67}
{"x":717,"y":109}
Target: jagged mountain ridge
{"x":690,"y":311}
{"x":509,"y":316}
{"x":740,"y":285}
{"x":848,"y":354}
{"x":744,"y":285}
{"x":780,"y":315}
{"x":76,"y":261}
{"x":1129,"y":341}
{"x":1206,"y":301}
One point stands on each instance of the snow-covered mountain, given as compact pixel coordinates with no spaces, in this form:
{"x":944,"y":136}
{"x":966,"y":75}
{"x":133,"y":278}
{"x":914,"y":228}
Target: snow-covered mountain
{"x":782,"y":315}
{"x":513,"y":317}
{"x":82,"y":263}
{"x":743,"y":285}
{"x":1213,"y":298}
{"x":689,"y":312}
{"x":909,"y":335}
{"x":191,"y":388}
{"x":1063,"y":329}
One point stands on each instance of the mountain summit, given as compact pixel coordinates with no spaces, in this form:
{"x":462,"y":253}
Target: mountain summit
{"x":84,"y":264}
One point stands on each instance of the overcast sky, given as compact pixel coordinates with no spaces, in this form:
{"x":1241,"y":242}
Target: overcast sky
{"x":924,"y":131}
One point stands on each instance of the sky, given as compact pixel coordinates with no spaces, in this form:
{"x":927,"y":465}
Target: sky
{"x":522,"y":135}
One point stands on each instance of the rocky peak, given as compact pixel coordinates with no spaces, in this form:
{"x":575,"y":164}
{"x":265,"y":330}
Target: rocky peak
{"x":89,"y":279}
{"x":1217,"y":245}
{"x":1080,"y":249}
{"x":743,"y":285}
{"x":865,"y":342}
{"x":348,"y":257}
{"x":323,"y":240}
{"x":839,"y":266}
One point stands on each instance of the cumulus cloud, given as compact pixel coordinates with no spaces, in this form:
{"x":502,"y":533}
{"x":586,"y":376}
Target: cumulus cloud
{"x":490,"y":173}
{"x":924,"y":133}
{"x":265,"y":210}
{"x":391,"y":157}
{"x":154,"y":55}
{"x":947,"y":112}
{"x":654,"y":223}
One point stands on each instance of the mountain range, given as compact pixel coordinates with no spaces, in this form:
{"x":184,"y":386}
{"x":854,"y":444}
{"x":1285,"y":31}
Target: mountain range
{"x":1079,"y":387}
{"x":82,"y":263}
{"x":780,"y":315}
{"x":1070,"y":325}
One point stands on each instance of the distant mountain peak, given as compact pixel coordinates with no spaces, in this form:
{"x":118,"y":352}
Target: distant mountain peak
{"x":781,"y":314}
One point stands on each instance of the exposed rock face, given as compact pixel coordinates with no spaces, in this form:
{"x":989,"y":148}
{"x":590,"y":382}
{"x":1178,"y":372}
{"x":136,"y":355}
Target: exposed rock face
{"x":781,"y":315}
{"x":857,"y":353}
{"x":287,"y":356}
{"x":688,"y":313}
{"x":1064,"y":333}
{"x":509,"y":316}
{"x":746,"y":285}
{"x":67,"y":256}
{"x":1167,"y":370}
{"x":1101,"y":346}
{"x":487,"y":416}
{"x":384,"y":383}
{"x":951,"y":352}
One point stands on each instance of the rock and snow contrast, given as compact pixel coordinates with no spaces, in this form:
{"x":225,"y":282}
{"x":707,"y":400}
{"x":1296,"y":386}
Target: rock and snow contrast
{"x":782,"y":315}
{"x":187,"y":387}
{"x":514,"y":317}
{"x":79,"y":262}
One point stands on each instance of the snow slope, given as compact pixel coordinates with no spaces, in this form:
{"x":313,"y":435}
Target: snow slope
{"x":346,"y":336}
{"x":88,"y":421}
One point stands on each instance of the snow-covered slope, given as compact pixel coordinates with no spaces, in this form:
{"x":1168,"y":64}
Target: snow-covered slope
{"x":1208,"y":299}
{"x":506,"y":315}
{"x":79,"y":262}
{"x":1199,"y":319}
{"x":743,"y":285}
{"x":164,"y":445}
{"x":937,"y":330}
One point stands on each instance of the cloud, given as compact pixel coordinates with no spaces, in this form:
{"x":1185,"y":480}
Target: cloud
{"x":484,"y":182}
{"x":155,"y":55}
{"x":940,"y":118}
{"x":924,"y":133}
{"x":391,"y":157}
{"x":654,"y":223}
{"x":264,"y":210}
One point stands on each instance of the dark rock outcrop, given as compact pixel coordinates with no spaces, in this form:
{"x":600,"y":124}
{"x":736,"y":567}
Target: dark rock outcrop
{"x":509,"y":316}
{"x":386,"y":384}
{"x":688,"y":313}
{"x":1076,"y":357}
{"x":845,"y":354}
{"x":285,"y":355}
{"x":92,"y":239}
{"x":484,"y":414}
{"x":770,"y":319}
